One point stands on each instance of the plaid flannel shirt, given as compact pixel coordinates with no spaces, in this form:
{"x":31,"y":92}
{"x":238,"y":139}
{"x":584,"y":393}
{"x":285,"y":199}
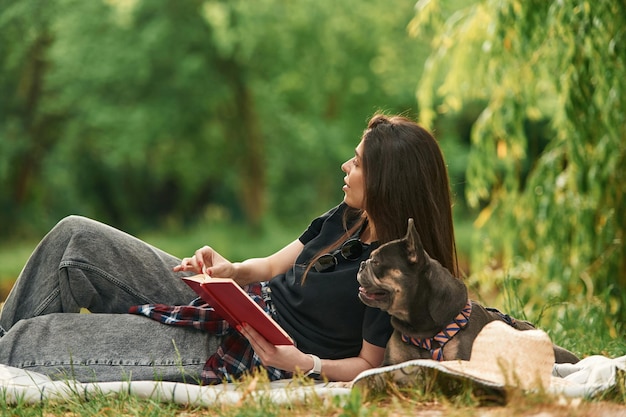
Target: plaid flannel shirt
{"x":235,"y":356}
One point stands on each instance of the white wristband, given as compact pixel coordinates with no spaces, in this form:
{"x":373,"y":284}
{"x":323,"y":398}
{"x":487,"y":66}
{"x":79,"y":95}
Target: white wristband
{"x":317,"y":366}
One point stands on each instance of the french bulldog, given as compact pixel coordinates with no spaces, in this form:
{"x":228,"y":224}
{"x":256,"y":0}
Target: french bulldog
{"x":424,"y":298}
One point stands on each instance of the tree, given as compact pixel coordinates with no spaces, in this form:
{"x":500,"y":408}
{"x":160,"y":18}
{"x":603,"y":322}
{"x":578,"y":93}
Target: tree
{"x":26,"y":132}
{"x":145,"y":110}
{"x":564,"y":62}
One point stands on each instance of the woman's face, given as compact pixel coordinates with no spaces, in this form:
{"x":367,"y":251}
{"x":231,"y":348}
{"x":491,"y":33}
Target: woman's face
{"x":354,"y":180}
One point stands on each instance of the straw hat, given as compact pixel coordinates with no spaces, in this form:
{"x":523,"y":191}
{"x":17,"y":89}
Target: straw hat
{"x":502,"y":357}
{"x":509,"y":357}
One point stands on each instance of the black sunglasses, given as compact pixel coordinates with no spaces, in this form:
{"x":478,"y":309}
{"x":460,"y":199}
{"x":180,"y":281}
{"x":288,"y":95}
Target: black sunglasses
{"x":351,"y":250}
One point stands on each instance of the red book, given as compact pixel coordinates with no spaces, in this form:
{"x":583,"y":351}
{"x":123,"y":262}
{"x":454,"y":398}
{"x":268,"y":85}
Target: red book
{"x":235,"y":306}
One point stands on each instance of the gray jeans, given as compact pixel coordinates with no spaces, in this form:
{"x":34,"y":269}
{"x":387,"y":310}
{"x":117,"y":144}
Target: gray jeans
{"x":83,"y":263}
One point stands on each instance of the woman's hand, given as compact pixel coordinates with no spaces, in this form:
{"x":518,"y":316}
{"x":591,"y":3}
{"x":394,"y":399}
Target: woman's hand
{"x":207,"y":261}
{"x":289,"y":358}
{"x":285,"y":357}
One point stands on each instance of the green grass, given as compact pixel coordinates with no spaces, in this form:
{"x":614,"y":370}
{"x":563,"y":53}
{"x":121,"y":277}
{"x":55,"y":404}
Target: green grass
{"x":13,"y":256}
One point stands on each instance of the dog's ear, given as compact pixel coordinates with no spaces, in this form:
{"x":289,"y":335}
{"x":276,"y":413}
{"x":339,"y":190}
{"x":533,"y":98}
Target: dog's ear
{"x":415,"y":249}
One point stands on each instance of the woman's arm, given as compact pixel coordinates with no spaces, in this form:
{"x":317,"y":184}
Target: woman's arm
{"x":289,"y":358}
{"x":207,"y":260}
{"x":264,"y":269}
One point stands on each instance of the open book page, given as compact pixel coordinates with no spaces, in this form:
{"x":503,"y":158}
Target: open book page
{"x":236,"y":306}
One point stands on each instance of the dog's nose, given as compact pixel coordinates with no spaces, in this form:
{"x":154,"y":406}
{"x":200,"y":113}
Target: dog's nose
{"x":362,"y":266}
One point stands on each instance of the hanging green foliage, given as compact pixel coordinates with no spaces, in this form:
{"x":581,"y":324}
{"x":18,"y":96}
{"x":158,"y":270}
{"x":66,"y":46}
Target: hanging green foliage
{"x":556,"y":221}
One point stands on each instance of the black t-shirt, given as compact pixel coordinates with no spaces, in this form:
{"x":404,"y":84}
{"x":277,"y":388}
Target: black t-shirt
{"x":324,"y":315}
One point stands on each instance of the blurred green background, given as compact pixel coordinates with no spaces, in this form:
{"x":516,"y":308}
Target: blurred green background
{"x":191,"y":122}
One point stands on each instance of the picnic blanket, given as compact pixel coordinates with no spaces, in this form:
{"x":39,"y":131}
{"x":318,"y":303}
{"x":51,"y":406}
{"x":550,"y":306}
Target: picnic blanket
{"x":589,"y":377}
{"x":19,"y":385}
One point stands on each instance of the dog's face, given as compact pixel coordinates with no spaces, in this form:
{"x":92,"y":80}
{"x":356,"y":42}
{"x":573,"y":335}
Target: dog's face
{"x":386,"y":278}
{"x":419,"y":294}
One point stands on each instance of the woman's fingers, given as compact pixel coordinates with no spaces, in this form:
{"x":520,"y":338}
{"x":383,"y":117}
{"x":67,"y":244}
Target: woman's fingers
{"x":206,"y":261}
{"x":261,"y":346}
{"x":189,"y":264}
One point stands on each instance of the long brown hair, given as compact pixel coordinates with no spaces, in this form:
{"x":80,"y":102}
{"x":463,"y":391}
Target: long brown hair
{"x":406,"y":177}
